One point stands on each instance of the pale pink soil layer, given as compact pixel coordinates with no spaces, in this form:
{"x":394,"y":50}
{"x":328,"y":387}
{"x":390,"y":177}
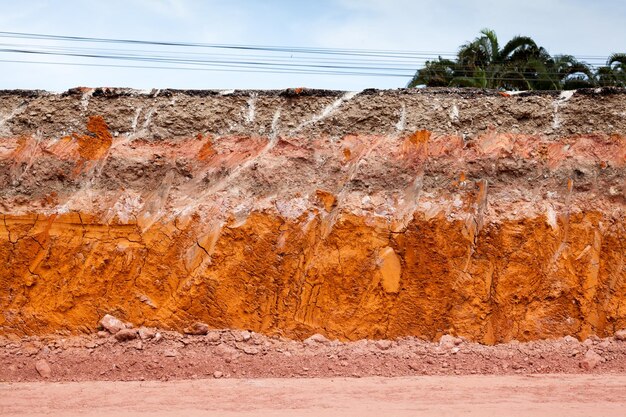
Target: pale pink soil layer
{"x":544,"y":395}
{"x":235,"y":354}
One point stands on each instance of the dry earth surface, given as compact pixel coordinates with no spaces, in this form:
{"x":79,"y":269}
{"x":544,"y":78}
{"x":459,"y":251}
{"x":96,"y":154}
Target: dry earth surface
{"x":493,"y":396}
{"x":148,"y":354}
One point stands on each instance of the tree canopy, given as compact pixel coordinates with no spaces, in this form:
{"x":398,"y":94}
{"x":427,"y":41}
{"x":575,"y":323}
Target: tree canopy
{"x":520,"y":64}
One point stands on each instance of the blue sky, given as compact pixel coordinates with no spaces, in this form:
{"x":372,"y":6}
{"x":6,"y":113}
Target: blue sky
{"x":584,"y":28}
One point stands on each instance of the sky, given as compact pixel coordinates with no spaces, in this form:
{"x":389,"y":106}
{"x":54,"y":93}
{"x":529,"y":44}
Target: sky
{"x":582,"y":28}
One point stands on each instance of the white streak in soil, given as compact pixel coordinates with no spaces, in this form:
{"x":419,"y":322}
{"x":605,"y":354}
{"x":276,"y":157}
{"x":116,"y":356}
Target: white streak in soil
{"x":402,"y":121}
{"x":273,"y":131}
{"x":563,"y":98}
{"x":84,"y":100}
{"x":328,"y":110}
{"x":19,"y":109}
{"x":224,"y":182}
{"x":250,"y":115}
{"x":551,"y":217}
{"x":148,"y":119}
{"x":454,"y":113}
{"x":136,"y":119}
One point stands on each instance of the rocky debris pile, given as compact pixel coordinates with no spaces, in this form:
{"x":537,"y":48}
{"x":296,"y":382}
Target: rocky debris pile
{"x":120,"y":351}
{"x":124,"y":332}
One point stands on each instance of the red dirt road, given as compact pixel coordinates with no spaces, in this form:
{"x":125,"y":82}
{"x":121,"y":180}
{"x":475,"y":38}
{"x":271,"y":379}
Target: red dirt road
{"x":536,"y":395}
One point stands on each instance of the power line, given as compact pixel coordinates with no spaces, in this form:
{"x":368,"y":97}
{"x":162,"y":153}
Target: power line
{"x":311,"y":50}
{"x":177,"y":68}
{"x":235,"y":58}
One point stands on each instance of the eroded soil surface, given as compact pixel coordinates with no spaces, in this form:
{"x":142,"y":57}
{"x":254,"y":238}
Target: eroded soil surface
{"x":371,"y":215}
{"x":163,"y":355}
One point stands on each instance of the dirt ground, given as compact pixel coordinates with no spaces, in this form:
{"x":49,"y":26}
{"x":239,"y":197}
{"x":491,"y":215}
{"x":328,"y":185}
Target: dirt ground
{"x":152,"y":354}
{"x":530,"y":395}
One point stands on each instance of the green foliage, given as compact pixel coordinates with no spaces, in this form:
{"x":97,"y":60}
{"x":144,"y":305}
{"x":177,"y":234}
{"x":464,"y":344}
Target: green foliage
{"x":520,"y":64}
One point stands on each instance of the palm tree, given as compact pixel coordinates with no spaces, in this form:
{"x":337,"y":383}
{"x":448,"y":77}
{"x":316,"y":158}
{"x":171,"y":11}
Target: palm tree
{"x":520,"y":65}
{"x":434,"y":74}
{"x":569,"y":73}
{"x":483,"y":63}
{"x":614,"y":73}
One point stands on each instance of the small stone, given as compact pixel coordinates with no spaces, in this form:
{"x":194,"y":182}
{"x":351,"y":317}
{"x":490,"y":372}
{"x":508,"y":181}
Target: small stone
{"x":126,"y":334}
{"x":170,"y":353}
{"x":455,"y":350}
{"x":315,"y":339}
{"x":245,"y":335}
{"x":591,"y":360}
{"x":197,"y":329}
{"x":383,"y":344}
{"x":43,"y":368}
{"x":620,"y":335}
{"x":447,"y":341}
{"x":112,"y":324}
{"x":157,"y":337}
{"x":102,"y":334}
{"x":30,"y":350}
{"x":218,"y":374}
{"x":570,"y":339}
{"x":414,"y":367}
{"x":213,"y":337}
{"x":225,"y":351}
{"x":249,"y":350}
{"x":146,"y":333}
{"x":138,"y":345}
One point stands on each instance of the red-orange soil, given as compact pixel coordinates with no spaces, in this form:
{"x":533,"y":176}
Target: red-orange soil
{"x":377,"y":215}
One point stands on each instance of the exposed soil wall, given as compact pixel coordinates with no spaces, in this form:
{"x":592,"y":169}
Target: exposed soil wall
{"x":371,"y":215}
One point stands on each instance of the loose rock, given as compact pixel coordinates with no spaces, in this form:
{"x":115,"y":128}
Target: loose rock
{"x":126,"y":334}
{"x":249,"y":350}
{"x":146,"y":333}
{"x":383,"y":344}
{"x":112,"y":324}
{"x":218,"y":374}
{"x":213,"y":337}
{"x":43,"y":368}
{"x":621,"y":335}
{"x":591,"y":360}
{"x":447,"y":341}
{"x":315,"y":339}
{"x":197,"y":329}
